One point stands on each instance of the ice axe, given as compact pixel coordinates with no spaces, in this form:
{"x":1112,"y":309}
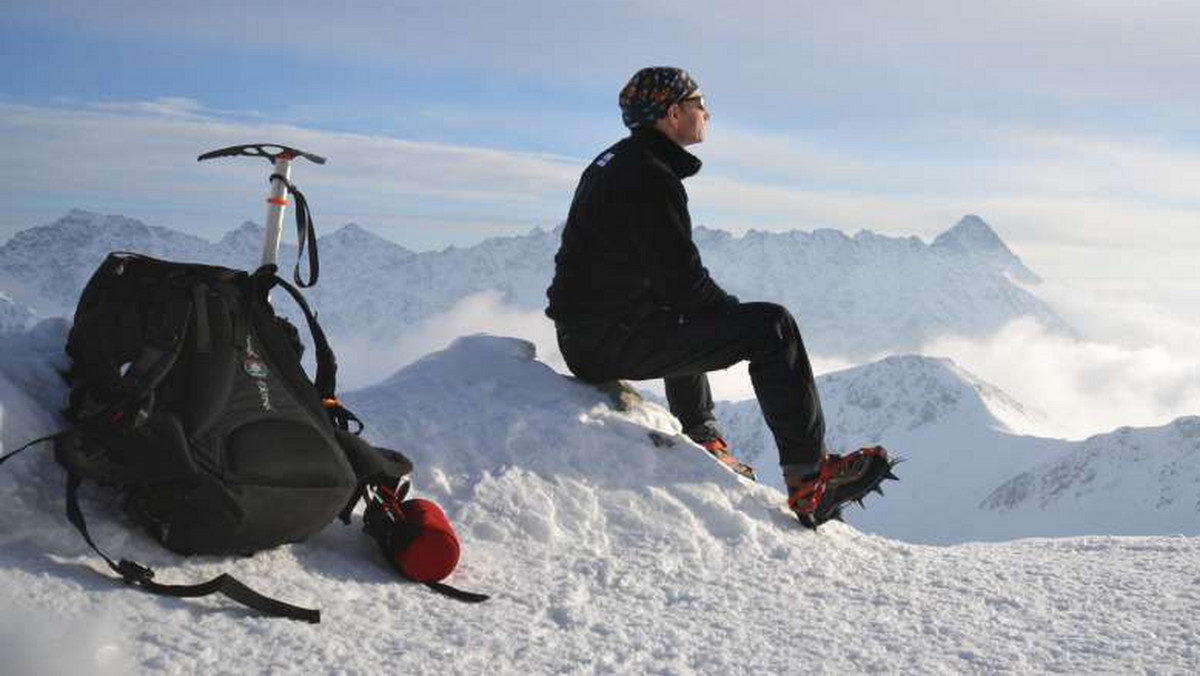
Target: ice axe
{"x":281,"y":158}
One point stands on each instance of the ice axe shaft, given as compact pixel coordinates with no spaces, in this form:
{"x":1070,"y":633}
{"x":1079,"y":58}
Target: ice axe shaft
{"x":276,"y":208}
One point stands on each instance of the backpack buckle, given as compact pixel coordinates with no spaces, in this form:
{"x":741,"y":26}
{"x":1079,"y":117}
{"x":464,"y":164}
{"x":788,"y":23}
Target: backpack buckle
{"x":134,"y":573}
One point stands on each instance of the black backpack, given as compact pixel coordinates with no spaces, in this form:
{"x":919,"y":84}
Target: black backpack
{"x":187,"y":392}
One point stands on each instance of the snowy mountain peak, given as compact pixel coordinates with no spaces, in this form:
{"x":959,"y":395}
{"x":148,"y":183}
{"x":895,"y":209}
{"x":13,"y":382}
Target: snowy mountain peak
{"x":972,"y":237}
{"x":971,"y":232}
{"x":354,"y":235}
{"x":45,"y":267}
{"x":246,"y":233}
{"x":78,"y":225}
{"x":906,"y":392}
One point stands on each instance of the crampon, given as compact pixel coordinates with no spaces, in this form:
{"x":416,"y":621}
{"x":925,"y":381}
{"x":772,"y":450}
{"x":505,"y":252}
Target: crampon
{"x":718,"y":449}
{"x":842,"y":479}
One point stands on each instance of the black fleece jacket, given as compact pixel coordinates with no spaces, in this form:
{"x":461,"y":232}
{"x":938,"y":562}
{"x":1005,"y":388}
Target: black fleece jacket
{"x":627,"y":245}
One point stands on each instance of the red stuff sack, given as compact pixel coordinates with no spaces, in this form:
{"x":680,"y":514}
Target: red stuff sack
{"x":427,"y":549}
{"x":416,"y":537}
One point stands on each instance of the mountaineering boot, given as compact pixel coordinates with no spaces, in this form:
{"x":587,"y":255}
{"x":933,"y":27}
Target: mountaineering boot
{"x":709,"y":437}
{"x":842,"y":478}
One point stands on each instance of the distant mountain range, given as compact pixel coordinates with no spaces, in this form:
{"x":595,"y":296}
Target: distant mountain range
{"x":854,"y":296}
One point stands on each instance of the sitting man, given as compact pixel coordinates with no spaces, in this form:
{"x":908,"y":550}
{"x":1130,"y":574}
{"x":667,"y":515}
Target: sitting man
{"x":631,"y":299}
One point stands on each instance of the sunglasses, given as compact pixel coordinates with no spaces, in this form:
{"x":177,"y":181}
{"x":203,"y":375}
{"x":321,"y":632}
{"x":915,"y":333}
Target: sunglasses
{"x":698,"y":100}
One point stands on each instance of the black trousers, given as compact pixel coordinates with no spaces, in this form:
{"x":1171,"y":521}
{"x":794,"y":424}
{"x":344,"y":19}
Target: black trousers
{"x":682,"y":349}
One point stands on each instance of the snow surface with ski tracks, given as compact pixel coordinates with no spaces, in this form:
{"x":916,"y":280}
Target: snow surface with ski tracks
{"x":604,"y":551}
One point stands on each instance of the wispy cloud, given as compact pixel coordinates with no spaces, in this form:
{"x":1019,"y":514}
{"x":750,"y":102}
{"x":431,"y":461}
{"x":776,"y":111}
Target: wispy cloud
{"x":165,"y":106}
{"x":138,"y":159}
{"x":169,"y":106}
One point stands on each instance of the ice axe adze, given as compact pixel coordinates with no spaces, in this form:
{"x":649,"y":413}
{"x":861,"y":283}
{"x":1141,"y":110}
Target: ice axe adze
{"x":281,"y":158}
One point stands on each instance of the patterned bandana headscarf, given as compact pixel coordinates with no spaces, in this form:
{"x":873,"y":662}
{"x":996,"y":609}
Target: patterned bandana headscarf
{"x":651,"y":91}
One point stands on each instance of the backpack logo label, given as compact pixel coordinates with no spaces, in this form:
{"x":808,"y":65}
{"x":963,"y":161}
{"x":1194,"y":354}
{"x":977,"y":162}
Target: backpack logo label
{"x":256,"y":368}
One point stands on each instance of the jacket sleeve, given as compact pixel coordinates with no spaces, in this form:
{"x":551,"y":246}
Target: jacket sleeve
{"x":662,"y":233}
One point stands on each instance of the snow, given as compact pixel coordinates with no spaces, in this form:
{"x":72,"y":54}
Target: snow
{"x":605,"y":551}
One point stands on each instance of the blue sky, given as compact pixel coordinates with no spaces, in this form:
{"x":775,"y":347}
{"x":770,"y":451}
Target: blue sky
{"x":1070,"y":126}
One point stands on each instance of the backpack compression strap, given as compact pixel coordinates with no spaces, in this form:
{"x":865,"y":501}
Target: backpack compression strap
{"x":142,"y":577}
{"x":4,"y":458}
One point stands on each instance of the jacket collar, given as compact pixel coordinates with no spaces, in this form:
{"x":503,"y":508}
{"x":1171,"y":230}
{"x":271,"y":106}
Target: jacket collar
{"x":681,"y":162}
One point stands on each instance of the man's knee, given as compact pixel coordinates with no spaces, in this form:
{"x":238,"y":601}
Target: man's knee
{"x":775,"y":326}
{"x":775,"y":319}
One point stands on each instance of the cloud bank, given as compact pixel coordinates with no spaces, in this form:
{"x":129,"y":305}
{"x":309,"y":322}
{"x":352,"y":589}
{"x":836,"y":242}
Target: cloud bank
{"x":362,"y":363}
{"x":1083,"y":387}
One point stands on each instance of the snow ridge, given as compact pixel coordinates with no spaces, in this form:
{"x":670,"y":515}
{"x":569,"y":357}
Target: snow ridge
{"x":1150,"y":477}
{"x":869,"y":294}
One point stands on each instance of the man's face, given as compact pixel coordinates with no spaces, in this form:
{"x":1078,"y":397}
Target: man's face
{"x":695,"y":119}
{"x":686,"y":122}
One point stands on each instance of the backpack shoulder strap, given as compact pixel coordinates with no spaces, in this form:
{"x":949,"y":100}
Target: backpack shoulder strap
{"x":326,"y":377}
{"x":326,"y":380}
